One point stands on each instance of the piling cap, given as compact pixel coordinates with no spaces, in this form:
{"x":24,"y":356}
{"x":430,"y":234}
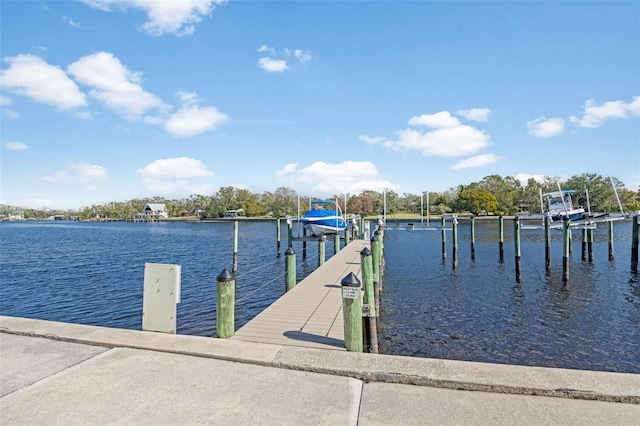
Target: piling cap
{"x":350,"y":281}
{"x":374,"y":239}
{"x":225,"y":276}
{"x":289,"y":251}
{"x":365,"y":252}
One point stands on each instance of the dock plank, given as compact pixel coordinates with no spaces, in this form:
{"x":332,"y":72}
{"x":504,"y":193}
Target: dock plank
{"x":310,"y":315}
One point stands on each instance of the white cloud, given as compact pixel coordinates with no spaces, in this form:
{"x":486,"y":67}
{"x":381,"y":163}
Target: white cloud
{"x":287,"y":170}
{"x":31,"y":203}
{"x":5,"y":101}
{"x":595,"y":115}
{"x":277,"y":61}
{"x":450,"y":138}
{"x":273,"y":65}
{"x":84,"y":173}
{"x":176,"y":175}
{"x":346,"y":177}
{"x":543,"y":127}
{"x":165,"y":17}
{"x":16,"y":146}
{"x":477,"y":161}
{"x":114,"y":85}
{"x":475,"y":114}
{"x":194,"y":120}
{"x":438,"y":120}
{"x":524,"y":178}
{"x":31,"y":76}
{"x":70,"y":21}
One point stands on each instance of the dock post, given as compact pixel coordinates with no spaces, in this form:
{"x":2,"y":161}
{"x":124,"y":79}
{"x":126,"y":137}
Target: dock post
{"x":634,"y":245}
{"x":590,"y":244}
{"x":361,"y":228}
{"x":289,"y":233}
{"x":443,"y":222}
{"x":304,"y":244}
{"x":375,"y":251}
{"x":610,"y":240}
{"x":516,"y":239}
{"x":235,"y":246}
{"x":321,"y":250}
{"x":501,"y":235}
{"x":547,"y":243}
{"x":346,"y":236}
{"x":352,"y":312}
{"x":225,"y":298}
{"x":369,"y":299}
{"x":278,"y":237}
{"x":565,"y":254}
{"x":473,"y":238}
{"x":290,"y":269}
{"x":336,"y":243}
{"x":584,"y":244}
{"x":454,"y":231}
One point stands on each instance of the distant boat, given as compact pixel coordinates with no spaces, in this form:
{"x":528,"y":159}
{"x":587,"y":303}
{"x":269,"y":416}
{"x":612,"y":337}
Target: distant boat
{"x":560,"y":205}
{"x":324,"y":217}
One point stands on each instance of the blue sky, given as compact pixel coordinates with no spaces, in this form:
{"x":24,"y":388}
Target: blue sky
{"x":113,"y":100}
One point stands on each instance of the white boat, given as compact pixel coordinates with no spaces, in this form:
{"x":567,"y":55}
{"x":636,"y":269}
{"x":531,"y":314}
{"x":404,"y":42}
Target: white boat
{"x":560,"y":206}
{"x":324,"y":217}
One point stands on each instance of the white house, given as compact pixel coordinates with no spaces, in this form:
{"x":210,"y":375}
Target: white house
{"x":155,"y":210}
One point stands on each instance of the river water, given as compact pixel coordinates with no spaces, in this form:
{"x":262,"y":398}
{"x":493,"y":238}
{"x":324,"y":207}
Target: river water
{"x":92,"y":273}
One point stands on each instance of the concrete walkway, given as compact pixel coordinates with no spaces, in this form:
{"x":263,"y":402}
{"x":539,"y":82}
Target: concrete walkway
{"x":55,"y":373}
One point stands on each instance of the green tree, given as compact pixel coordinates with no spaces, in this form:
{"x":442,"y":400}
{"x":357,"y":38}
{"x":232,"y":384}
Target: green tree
{"x":476,"y":201}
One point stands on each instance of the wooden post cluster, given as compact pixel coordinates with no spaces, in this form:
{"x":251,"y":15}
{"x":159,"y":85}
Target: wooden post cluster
{"x":516,"y":239}
{"x":352,"y":313}
{"x":290,"y":269}
{"x":225,"y":304}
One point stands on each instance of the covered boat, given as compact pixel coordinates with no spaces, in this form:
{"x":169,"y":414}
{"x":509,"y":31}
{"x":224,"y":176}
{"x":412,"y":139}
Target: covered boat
{"x":324,"y":217}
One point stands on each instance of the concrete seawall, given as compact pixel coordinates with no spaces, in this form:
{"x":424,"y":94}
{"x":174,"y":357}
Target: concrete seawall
{"x":39,"y":358}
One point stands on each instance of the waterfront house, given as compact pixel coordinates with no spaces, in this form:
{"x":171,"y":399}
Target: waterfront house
{"x":155,"y":211}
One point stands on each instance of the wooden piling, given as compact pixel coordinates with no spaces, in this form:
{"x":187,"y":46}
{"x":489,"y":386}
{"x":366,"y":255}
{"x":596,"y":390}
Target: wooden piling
{"x":516,"y":239}
{"x":369,"y":299}
{"x":289,"y":232}
{"x":501,"y":237}
{"x":444,"y":238}
{"x":590,"y":244}
{"x":375,"y":253}
{"x":336,"y":243}
{"x":454,"y":237}
{"x":278,"y":237}
{"x":610,"y":240}
{"x":473,"y":238}
{"x":290,"y":269}
{"x":235,"y":246}
{"x":547,"y":244}
{"x":584,"y":244}
{"x":304,"y":244}
{"x":565,"y":253}
{"x":352,"y":312}
{"x":225,"y":304}
{"x":347,"y":233}
{"x":321,"y":250}
{"x":634,"y":245}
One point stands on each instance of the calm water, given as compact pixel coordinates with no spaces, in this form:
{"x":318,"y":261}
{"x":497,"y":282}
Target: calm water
{"x":92,"y":273}
{"x":480,"y":313}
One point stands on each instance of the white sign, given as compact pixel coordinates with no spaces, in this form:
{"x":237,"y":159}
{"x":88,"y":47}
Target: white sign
{"x":350,"y":292}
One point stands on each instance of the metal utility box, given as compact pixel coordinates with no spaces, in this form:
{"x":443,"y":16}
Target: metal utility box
{"x":161,"y":296}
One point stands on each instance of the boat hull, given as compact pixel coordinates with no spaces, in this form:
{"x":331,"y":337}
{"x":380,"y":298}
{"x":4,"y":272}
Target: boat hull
{"x":324,"y":226}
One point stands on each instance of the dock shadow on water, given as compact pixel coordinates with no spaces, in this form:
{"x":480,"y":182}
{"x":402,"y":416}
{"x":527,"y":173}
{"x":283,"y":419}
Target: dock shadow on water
{"x":480,"y":313}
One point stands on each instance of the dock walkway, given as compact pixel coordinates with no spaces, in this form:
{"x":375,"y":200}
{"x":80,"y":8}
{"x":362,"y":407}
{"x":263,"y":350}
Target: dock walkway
{"x":310,"y":315}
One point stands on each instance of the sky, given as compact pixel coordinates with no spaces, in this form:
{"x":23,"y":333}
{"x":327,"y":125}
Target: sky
{"x":114,"y":100}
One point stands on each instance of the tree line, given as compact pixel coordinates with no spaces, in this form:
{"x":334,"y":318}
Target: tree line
{"x":493,"y":194}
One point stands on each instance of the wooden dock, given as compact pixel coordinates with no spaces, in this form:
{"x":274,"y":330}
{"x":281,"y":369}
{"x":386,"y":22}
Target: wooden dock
{"x":310,"y":315}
